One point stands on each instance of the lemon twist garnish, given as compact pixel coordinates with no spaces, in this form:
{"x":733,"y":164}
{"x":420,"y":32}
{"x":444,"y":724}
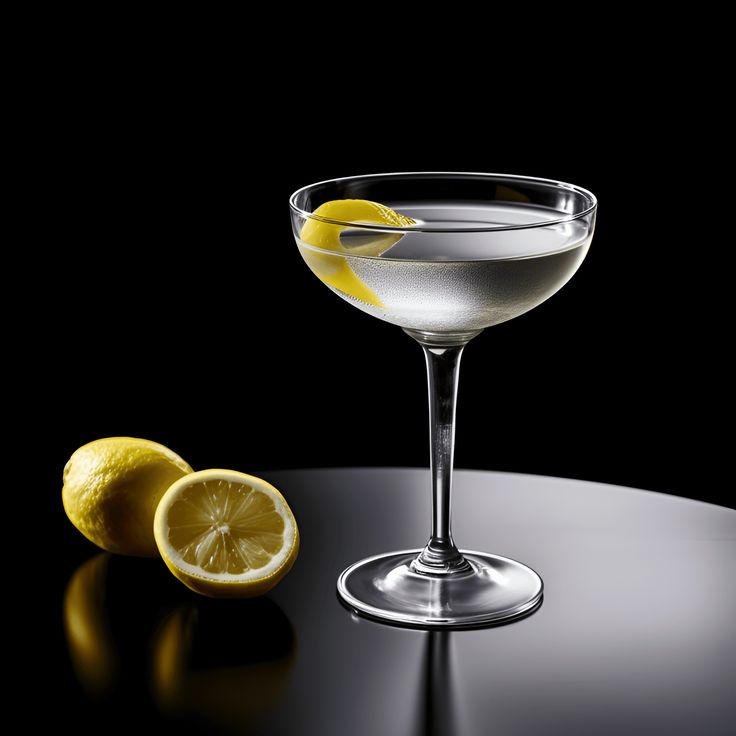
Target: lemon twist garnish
{"x":335,"y":270}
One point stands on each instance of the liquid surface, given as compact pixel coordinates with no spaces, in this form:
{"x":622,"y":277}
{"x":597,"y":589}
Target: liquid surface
{"x":465,"y":280}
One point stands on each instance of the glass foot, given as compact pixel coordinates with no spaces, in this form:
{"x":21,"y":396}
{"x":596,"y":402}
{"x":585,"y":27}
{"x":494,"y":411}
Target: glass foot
{"x":494,"y":589}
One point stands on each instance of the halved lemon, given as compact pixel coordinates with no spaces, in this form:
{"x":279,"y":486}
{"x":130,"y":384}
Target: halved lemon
{"x":336,"y":270}
{"x":226,"y":534}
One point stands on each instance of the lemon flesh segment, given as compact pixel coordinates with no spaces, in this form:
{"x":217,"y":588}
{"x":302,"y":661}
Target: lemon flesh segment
{"x":335,"y":270}
{"x":226,"y":534}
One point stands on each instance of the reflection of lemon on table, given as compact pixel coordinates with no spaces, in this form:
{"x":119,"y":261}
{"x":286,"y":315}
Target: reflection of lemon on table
{"x":86,"y":626}
{"x":226,"y":534}
{"x":226,"y":666}
{"x":112,"y":487}
{"x":335,"y":270}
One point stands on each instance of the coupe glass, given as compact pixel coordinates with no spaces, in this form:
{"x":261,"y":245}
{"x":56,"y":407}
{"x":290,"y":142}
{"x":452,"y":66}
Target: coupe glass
{"x":484,"y":248}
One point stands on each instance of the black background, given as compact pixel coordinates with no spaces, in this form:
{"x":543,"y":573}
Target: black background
{"x":176,"y":306}
{"x":182,"y":312}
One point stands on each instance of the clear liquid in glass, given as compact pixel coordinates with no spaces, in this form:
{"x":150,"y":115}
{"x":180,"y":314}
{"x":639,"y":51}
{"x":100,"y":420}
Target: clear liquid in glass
{"x":462,"y":281}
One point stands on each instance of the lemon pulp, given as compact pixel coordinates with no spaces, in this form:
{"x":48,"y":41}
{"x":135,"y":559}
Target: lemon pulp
{"x":224,"y":533}
{"x":335,"y":270}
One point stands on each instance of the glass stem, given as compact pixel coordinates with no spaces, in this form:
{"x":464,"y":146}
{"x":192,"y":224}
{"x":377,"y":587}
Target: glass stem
{"x":441,"y":556}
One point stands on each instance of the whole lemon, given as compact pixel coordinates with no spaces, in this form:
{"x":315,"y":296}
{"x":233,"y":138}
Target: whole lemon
{"x":111,"y":490}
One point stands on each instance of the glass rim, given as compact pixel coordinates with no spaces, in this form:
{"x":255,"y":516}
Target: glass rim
{"x":592,"y":200}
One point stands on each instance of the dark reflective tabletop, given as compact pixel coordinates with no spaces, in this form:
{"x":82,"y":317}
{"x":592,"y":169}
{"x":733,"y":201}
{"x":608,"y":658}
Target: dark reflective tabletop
{"x":636,"y":634}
